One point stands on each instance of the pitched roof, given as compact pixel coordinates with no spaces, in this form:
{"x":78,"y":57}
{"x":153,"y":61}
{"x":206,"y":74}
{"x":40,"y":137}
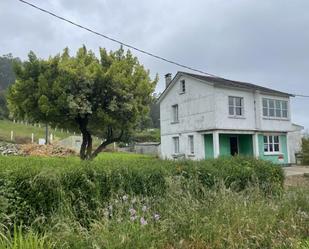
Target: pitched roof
{"x":232,"y":83}
{"x":221,"y":82}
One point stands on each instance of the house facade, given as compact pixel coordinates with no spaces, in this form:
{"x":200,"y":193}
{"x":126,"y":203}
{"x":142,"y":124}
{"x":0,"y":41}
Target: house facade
{"x":205,"y":117}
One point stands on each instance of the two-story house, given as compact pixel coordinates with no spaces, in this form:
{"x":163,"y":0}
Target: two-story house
{"x":206,"y":117}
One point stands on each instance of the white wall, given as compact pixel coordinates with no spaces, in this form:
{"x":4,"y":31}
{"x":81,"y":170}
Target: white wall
{"x":253,"y":112}
{"x":167,"y":146}
{"x":275,"y":124}
{"x":294,"y":142}
{"x":196,"y":112}
{"x":224,"y":120}
{"x":205,"y":107}
{"x":195,"y":107}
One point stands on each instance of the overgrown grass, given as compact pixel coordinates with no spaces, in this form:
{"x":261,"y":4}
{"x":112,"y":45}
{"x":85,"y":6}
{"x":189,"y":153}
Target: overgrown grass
{"x":21,"y":240}
{"x":133,"y":201}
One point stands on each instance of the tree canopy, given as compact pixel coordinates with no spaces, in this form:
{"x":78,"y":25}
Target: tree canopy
{"x":105,"y":96}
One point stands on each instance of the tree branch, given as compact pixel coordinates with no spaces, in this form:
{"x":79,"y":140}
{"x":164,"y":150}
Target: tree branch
{"x":108,"y":141}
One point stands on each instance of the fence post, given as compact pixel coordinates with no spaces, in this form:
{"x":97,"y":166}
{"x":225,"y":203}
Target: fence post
{"x":12,"y":135}
{"x":32,"y":138}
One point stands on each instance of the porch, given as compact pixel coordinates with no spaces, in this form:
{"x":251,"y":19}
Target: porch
{"x":227,"y":143}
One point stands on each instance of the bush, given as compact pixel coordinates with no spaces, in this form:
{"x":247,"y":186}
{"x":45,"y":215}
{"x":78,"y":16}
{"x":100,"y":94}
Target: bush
{"x":32,"y":188}
{"x":305,"y":151}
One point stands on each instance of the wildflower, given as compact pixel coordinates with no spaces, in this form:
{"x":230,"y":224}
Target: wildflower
{"x":125,"y":197}
{"x":143,"y":221}
{"x":156,"y":217}
{"x":133,"y":200}
{"x":144,"y":208}
{"x":106,"y":213}
{"x":132,"y":211}
{"x":133,"y":218}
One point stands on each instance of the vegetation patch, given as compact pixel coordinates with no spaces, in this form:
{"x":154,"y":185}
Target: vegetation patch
{"x":135,"y":201}
{"x":305,"y":150}
{"x":34,"y":187}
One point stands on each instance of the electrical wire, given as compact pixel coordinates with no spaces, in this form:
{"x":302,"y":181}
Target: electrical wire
{"x":117,"y":41}
{"x":128,"y":45}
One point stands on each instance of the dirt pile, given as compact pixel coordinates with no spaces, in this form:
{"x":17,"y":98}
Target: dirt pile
{"x":46,"y":150}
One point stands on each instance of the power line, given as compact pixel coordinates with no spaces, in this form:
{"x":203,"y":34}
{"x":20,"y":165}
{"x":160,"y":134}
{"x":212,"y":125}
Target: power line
{"x":300,"y":95}
{"x":128,"y":45}
{"x":117,"y":41}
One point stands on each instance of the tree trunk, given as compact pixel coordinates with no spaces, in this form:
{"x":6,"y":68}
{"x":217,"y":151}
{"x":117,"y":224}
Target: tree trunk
{"x":85,"y":152}
{"x":89,"y":146}
{"x":83,"y":147}
{"x":86,"y":146}
{"x":109,"y":140}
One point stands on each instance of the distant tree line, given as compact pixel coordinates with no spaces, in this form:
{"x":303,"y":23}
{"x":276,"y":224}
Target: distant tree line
{"x":7,"y":77}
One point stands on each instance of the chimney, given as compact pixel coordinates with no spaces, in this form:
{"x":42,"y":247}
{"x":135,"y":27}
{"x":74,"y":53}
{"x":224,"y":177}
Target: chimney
{"x":168,"y":79}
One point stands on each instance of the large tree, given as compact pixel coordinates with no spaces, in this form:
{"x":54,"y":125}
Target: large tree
{"x":105,"y":96}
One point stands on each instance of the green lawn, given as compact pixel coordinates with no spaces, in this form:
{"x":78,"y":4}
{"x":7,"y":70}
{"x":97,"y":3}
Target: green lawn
{"x":22,"y":132}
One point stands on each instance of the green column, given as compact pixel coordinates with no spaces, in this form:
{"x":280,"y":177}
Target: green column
{"x":209,"y":149}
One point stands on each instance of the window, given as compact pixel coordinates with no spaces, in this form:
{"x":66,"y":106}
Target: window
{"x":191,"y":144}
{"x":182,"y":86}
{"x":175,"y":113}
{"x":275,"y":108}
{"x":236,"y":106}
{"x":271,"y":144}
{"x":176,"y":145}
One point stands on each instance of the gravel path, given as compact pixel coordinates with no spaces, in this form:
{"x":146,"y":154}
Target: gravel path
{"x":296,"y":170}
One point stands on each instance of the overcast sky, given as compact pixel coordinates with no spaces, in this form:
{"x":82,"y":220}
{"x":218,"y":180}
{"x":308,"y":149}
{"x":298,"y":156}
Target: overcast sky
{"x":265,"y":42}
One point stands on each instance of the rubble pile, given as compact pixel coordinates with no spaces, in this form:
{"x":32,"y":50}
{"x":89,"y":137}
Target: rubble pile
{"x":7,"y":149}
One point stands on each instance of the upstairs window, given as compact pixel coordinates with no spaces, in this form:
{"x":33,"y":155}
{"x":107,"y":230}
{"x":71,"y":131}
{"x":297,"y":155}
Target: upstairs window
{"x":236,"y":106}
{"x":271,"y":144}
{"x":176,"y":145}
{"x":182,"y":86}
{"x":175,"y":114}
{"x":275,"y":108}
{"x":191,"y":144}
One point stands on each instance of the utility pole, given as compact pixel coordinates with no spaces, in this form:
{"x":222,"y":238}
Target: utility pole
{"x":46,"y":133}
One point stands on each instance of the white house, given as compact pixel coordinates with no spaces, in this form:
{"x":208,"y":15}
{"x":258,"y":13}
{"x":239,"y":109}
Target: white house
{"x":207,"y":117}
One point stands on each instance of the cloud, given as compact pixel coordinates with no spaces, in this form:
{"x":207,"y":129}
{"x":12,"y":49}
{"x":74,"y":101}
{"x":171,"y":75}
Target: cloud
{"x":263,"y":42}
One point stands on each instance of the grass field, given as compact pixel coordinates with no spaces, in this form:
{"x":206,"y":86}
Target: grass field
{"x":133,"y":201}
{"x":22,"y":132}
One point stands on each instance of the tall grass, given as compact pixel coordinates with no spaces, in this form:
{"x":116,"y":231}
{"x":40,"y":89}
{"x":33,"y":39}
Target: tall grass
{"x":221,"y":219}
{"x":20,"y":240}
{"x":121,"y":201}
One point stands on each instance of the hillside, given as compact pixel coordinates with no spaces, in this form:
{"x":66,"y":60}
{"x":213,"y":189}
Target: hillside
{"x":22,"y":132}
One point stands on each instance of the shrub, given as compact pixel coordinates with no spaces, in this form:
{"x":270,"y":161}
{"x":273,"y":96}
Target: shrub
{"x":305,"y":150}
{"x":37,"y":188}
